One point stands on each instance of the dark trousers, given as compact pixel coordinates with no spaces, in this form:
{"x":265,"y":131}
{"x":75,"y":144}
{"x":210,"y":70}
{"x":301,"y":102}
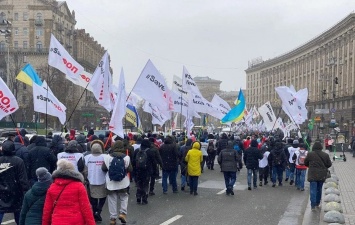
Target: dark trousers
{"x":142,"y":187}
{"x":263,"y":174}
{"x":193,"y":180}
{"x":229,"y":179}
{"x":203,"y":162}
{"x":97,"y":204}
{"x":210,"y":160}
{"x":16,"y":217}
{"x":277,"y":171}
{"x":152,"y":183}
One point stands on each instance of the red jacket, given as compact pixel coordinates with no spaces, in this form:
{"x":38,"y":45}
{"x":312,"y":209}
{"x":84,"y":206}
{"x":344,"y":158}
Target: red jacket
{"x":73,"y":206}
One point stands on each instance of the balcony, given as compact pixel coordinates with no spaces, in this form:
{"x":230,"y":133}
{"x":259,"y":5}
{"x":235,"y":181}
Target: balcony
{"x":39,"y":22}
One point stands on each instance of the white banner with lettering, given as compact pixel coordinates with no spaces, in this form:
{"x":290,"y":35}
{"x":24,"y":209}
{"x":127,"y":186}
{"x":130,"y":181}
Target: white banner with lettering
{"x":8,"y":102}
{"x":59,"y":58}
{"x":158,"y":117}
{"x":221,"y":104}
{"x":268,"y":115}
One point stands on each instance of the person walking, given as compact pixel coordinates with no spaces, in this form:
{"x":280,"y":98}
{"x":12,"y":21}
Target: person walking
{"x":32,"y":206}
{"x":73,"y":155}
{"x":264,"y":165}
{"x":251,"y":161}
{"x":318,"y":163}
{"x":291,"y":161}
{"x":204,"y":146}
{"x":117,"y":190}
{"x":301,"y":169}
{"x":170,"y":163}
{"x":194,"y":158}
{"x":211,"y":151}
{"x":183,"y":165}
{"x":13,"y":181}
{"x":67,"y":198}
{"x":230,"y":161}
{"x":277,"y":161}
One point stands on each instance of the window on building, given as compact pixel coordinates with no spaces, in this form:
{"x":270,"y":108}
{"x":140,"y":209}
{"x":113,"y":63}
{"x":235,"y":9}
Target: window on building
{"x":2,"y":16}
{"x":25,"y":16}
{"x":15,"y":44}
{"x":25,"y":44}
{"x":39,"y":46}
{"x":16,"y":30}
{"x":16,"y":16}
{"x":2,"y":45}
{"x":39,"y":31}
{"x":25,"y":31}
{"x":39,"y":16}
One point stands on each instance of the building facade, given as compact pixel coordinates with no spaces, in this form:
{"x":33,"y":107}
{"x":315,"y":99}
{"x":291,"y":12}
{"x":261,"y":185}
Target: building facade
{"x":324,"y":65}
{"x":25,"y":28}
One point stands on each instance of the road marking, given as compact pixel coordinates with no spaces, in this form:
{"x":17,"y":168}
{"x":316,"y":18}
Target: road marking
{"x":8,"y":222}
{"x":221,"y":192}
{"x":169,"y":221}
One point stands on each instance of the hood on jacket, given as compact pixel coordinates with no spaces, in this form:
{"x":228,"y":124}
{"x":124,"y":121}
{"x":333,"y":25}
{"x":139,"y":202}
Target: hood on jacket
{"x":40,"y":188}
{"x":118,"y":146}
{"x":40,"y":141}
{"x":80,"y":139}
{"x":72,"y":134}
{"x":57,"y":139}
{"x":101,"y":137}
{"x":317,"y":146}
{"x":72,"y":147}
{"x":67,"y":174}
{"x":168,"y":140}
{"x":23,"y":132}
{"x":19,"y":139}
{"x":196,"y":145}
{"x":278,"y":146}
{"x":8,"y":148}
{"x":230,"y":145}
{"x":254,"y":143}
{"x":97,"y":147}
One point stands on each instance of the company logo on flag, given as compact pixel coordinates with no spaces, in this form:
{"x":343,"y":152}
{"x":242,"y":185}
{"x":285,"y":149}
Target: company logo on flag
{"x":28,"y":75}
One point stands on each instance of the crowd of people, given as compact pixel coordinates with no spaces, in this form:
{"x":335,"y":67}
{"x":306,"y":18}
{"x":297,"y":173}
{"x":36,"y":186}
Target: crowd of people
{"x":46,"y":179}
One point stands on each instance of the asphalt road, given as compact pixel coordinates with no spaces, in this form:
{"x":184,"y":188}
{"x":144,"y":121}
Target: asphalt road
{"x":264,"y":205}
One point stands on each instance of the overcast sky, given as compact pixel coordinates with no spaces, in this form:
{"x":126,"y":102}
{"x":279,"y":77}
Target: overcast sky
{"x":214,"y":38}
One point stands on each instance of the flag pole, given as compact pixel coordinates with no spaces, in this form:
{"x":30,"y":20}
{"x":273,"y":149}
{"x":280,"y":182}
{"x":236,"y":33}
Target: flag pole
{"x":47,"y":102}
{"x":18,"y":132}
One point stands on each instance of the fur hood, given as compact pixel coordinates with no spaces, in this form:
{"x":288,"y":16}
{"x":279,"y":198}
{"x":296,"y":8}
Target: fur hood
{"x":68,"y":174}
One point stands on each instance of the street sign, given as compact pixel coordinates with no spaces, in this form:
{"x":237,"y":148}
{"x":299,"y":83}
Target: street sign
{"x":317,"y":119}
{"x":321,"y":111}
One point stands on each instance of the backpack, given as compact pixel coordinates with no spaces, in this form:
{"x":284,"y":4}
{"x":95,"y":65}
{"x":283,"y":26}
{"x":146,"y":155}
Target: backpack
{"x":210,"y":149}
{"x":277,"y":159}
{"x":117,"y":170}
{"x":301,"y":158}
{"x":142,"y":159}
{"x":236,"y":146}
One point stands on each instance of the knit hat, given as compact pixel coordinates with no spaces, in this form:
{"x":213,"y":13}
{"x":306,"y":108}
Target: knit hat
{"x":63,"y":164}
{"x":118,"y":146}
{"x":99,"y":145}
{"x":43,"y":175}
{"x":295,"y":142}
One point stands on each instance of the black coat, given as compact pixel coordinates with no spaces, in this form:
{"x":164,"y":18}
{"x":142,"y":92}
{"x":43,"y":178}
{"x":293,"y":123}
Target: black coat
{"x":273,"y":155}
{"x":13,"y":183}
{"x":229,"y":160}
{"x":251,"y":158}
{"x":41,"y":156}
{"x":169,"y":155}
{"x":151,"y":164}
{"x":221,"y":144}
{"x":22,"y":152}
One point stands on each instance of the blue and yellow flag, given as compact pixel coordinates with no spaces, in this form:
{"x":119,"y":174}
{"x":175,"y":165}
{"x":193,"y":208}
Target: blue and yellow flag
{"x":236,"y":113}
{"x":132,"y":115}
{"x":28,"y":75}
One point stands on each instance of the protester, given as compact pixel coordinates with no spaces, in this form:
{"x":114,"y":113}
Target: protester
{"x":277,"y":161}
{"x":13,"y":181}
{"x":301,"y":169}
{"x":57,"y":145}
{"x":318,"y":163}
{"x":117,"y":188}
{"x":194,"y":158}
{"x":156,"y":163}
{"x":204,"y":146}
{"x":230,"y":161}
{"x":287,"y":153}
{"x":81,"y":143}
{"x":211,"y":151}
{"x":32,"y":206}
{"x":222,"y":143}
{"x":291,"y":161}
{"x":264,"y":164}
{"x":251,"y":160}
{"x":21,"y":150}
{"x":73,"y":155}
{"x":67,"y":198}
{"x":96,"y":177}
{"x":183,"y":165}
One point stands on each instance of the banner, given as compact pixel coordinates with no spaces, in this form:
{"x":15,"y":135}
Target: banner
{"x":255,"y":113}
{"x":83,"y":80}
{"x":45,"y":102}
{"x":8,"y":102}
{"x":151,"y":86}
{"x":59,"y":58}
{"x":268,"y":115}
{"x":221,"y":105}
{"x":101,"y":82}
{"x":181,"y":105}
{"x":119,"y":109}
{"x":157,"y":116}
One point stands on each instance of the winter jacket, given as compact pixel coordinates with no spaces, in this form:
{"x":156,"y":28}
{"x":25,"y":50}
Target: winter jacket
{"x":277,"y":152}
{"x":221,"y":144}
{"x":194,"y":159}
{"x":252,"y":155}
{"x":32,"y":207}
{"x":151,"y":164}
{"x":57,"y":145}
{"x":183,"y":152}
{"x":229,"y":160}
{"x":73,"y":206}
{"x":157,"y":160}
{"x":116,"y":185}
{"x":317,"y":170}
{"x":22,"y":152}
{"x":169,"y":155}
{"x":41,"y":156}
{"x":13,"y":179}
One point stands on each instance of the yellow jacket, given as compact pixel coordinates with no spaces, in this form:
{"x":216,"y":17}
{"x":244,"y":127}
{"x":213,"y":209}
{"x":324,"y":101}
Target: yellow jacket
{"x":194,"y":158}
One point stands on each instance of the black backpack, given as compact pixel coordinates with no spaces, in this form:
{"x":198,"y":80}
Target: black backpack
{"x":277,"y":159}
{"x":117,"y":170}
{"x":142,"y":159}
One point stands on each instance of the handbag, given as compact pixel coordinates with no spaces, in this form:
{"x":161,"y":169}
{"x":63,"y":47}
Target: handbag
{"x":55,"y":202}
{"x":328,"y":171}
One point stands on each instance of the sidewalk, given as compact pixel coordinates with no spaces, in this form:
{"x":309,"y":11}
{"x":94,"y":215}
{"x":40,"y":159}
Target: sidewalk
{"x":346,"y":174}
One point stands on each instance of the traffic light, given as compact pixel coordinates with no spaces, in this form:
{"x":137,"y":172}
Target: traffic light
{"x":336,"y":80}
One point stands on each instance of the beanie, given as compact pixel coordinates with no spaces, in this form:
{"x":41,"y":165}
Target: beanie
{"x":145,"y":144}
{"x":295,"y":142}
{"x":43,"y":175}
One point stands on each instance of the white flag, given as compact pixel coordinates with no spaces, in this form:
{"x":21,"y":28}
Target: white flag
{"x":178,"y":87}
{"x":189,"y":125}
{"x":46,"y":102}
{"x":101,"y":82}
{"x":45,"y":86}
{"x":8,"y":102}
{"x":181,"y":105}
{"x":83,"y":80}
{"x":268,"y":116}
{"x":119,"y":110}
{"x":59,"y":58}
{"x":151,"y":86}
{"x":255,"y":113}
{"x":157,"y":116}
{"x":221,"y":104}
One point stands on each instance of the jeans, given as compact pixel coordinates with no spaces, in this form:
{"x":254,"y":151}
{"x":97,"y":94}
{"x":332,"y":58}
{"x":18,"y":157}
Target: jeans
{"x":300,"y":178}
{"x":290,"y":172}
{"x":210,"y":160}
{"x":277,"y":170}
{"x":183,"y":180}
{"x":253,"y":172}
{"x":263,"y":174}
{"x":16,"y":217}
{"x":193,"y":180}
{"x":229,"y":179}
{"x":315,"y":188}
{"x":171,"y":174}
{"x":112,"y":199}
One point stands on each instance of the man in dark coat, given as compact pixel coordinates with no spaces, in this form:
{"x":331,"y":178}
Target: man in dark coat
{"x":230,"y":161}
{"x":13,"y":181}
{"x":21,"y":150}
{"x":156,"y":164}
{"x":251,"y":161}
{"x":57,"y":145}
{"x":222,"y":143}
{"x":40,"y":156}
{"x":318,"y":163}
{"x":170,"y":159}
{"x":183,"y":164}
{"x":277,"y":161}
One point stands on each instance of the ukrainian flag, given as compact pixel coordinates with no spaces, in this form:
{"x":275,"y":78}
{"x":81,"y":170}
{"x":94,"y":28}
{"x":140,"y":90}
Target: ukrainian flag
{"x":132,"y":115}
{"x":237,"y":113}
{"x":28,"y":75}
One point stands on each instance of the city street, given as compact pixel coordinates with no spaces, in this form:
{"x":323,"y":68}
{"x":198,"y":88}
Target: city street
{"x":265,"y":205}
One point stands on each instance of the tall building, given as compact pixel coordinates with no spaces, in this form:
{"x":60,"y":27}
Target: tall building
{"x":324,"y":65}
{"x":26,"y":27}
